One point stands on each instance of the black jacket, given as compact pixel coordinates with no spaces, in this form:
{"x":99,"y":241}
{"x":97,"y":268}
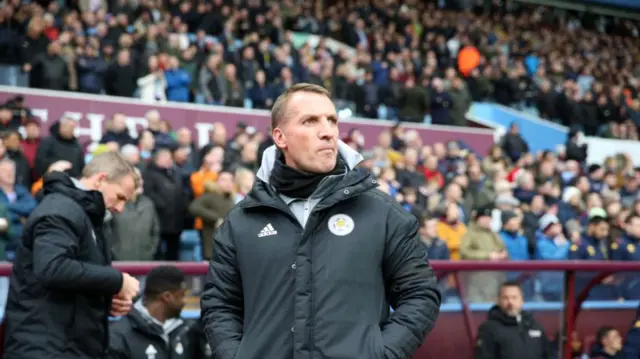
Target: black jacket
{"x":164,"y":188}
{"x":323,"y":290}
{"x":62,"y":284}
{"x":503,"y":337}
{"x":56,"y":148}
{"x":137,"y":336}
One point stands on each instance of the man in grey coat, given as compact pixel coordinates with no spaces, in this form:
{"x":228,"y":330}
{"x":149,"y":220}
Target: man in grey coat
{"x":136,"y":231}
{"x":308,"y":264}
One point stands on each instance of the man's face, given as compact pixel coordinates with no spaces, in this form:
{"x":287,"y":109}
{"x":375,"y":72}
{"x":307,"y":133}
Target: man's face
{"x":484,"y":222}
{"x":612,"y":340}
{"x":428,"y":229}
{"x":511,"y":300}
{"x":601,"y":230}
{"x":308,"y":133}
{"x":116,"y":194}
{"x":633,"y":227}
{"x":12,"y":142}
{"x":67,"y":127}
{"x":119,"y":123}
{"x":164,"y":159}
{"x":33,"y":131}
{"x":513,"y":224}
{"x":225,"y":181}
{"x":175,"y":302}
{"x":7,"y":173}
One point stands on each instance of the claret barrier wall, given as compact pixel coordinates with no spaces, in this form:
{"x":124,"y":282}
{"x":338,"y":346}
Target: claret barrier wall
{"x":454,"y":334}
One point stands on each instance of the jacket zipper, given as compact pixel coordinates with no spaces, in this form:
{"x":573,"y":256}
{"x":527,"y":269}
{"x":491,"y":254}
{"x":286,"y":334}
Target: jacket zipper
{"x":347,"y":196}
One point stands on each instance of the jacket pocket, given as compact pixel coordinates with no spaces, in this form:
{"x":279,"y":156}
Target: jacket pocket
{"x":377,"y":344}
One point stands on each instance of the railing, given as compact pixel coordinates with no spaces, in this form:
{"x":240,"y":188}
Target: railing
{"x":573,"y":300}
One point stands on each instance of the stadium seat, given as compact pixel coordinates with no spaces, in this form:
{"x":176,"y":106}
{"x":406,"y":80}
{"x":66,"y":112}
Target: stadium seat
{"x":190,"y":247}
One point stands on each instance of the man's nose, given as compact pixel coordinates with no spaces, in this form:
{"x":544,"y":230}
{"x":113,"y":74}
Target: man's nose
{"x":118,"y":208}
{"x":326,"y":129}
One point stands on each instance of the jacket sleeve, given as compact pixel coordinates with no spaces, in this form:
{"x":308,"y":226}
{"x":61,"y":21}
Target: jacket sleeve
{"x":202,"y":207}
{"x":43,"y":161}
{"x":411,"y":287}
{"x":222,"y":301}
{"x":154,"y":232}
{"x":54,"y":264}
{"x":485,"y":344}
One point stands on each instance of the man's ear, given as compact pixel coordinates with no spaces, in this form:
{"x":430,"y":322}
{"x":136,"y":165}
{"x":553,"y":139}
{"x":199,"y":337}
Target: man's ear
{"x":279,"y":138}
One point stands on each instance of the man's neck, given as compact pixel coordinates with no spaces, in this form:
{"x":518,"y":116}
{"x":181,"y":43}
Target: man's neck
{"x":156,"y":311}
{"x":7,"y":188}
{"x":610,"y":351}
{"x":86,"y":184}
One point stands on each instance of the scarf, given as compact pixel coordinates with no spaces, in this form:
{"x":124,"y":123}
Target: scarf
{"x":299,"y":184}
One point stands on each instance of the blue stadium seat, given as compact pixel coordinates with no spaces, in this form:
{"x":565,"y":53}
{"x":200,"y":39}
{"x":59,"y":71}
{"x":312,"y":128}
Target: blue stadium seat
{"x":190,"y":247}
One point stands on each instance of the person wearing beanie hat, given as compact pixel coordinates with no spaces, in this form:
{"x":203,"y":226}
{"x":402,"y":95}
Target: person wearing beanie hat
{"x":551,"y":245}
{"x":511,"y":233}
{"x":481,"y":243}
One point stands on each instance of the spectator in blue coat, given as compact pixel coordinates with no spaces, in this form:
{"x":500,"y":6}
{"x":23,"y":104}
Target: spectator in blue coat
{"x":514,"y":240}
{"x":18,"y":202}
{"x":178,"y":81}
{"x":631,"y":347}
{"x":627,"y":248}
{"x":551,"y":245}
{"x":259,"y":94}
{"x":440,"y":103}
{"x":517,"y":246}
{"x":91,"y":69}
{"x":434,"y":247}
{"x":595,"y":246}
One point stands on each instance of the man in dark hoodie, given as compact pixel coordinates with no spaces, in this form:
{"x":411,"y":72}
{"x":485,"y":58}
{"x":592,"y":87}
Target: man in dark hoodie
{"x":62,"y":286}
{"x":510,"y":332}
{"x":61,"y":145}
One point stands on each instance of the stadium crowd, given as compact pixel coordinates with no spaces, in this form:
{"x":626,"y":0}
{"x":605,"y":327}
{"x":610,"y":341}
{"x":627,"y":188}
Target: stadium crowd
{"x":499,"y":207}
{"x":416,"y":62}
{"x":577,"y":70}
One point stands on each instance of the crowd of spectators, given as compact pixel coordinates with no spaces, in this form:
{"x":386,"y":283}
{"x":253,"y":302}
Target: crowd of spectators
{"x":498,"y":208}
{"x":580,"y":71}
{"x":400,"y":62}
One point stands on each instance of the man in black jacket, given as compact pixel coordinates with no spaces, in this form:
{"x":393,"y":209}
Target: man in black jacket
{"x":63,"y":287}
{"x":154,"y":327}
{"x":509,"y":332}
{"x":309,"y":262}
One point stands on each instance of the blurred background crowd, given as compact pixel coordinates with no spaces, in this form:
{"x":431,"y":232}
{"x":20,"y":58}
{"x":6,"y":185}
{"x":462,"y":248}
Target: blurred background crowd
{"x":424,"y":61}
{"x":421,"y":62}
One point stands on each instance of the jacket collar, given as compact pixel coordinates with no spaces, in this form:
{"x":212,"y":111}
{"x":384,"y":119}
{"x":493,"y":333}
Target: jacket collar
{"x":349,"y":155}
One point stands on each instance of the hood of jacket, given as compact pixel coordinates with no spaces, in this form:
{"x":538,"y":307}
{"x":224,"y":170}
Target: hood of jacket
{"x":55,"y":132}
{"x":356,"y":180}
{"x":143,"y":321}
{"x":497,"y":314}
{"x":349,"y":155}
{"x":91,"y":202}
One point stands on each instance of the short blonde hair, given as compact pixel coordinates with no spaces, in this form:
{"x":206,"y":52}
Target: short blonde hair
{"x":113,"y":165}
{"x":279,"y":107}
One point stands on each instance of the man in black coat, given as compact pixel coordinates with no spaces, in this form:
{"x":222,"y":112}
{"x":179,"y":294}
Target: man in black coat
{"x":164,"y":186}
{"x":63,"y":287}
{"x":509,"y":332}
{"x":154,"y":327}
{"x":308,"y":264}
